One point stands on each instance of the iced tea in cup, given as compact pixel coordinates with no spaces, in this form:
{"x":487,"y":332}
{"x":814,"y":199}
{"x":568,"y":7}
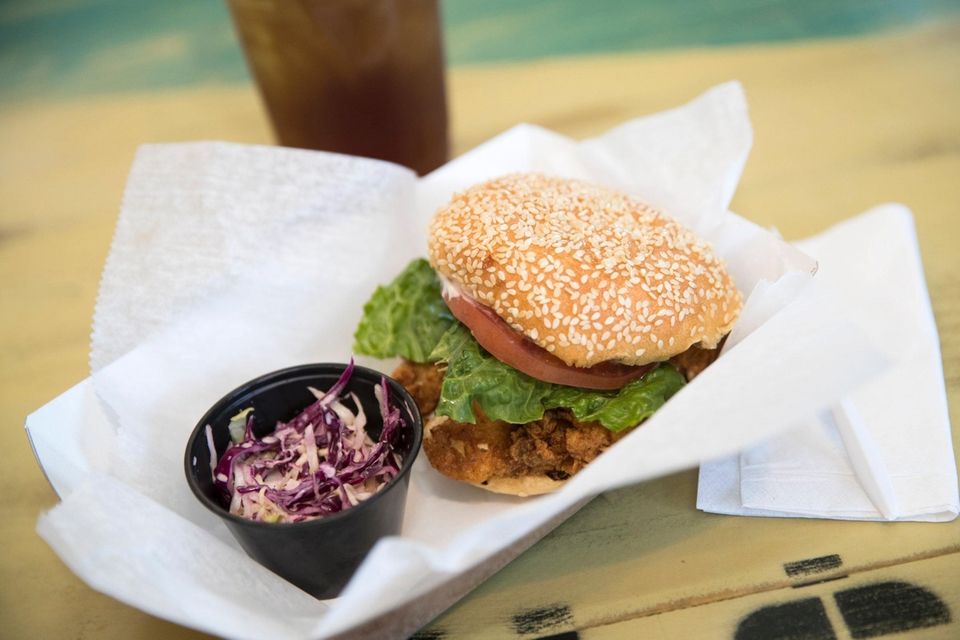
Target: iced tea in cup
{"x":363,"y":77}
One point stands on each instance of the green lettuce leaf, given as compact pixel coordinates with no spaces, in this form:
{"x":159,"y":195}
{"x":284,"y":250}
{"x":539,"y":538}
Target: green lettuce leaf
{"x":473,"y":375}
{"x":503,"y":393}
{"x":624,"y":408}
{"x":404,"y":318}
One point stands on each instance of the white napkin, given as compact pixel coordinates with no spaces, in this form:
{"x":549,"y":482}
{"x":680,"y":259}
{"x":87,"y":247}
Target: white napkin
{"x":230,"y":261}
{"x":884,"y":452}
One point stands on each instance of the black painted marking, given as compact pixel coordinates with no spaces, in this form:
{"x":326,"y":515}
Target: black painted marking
{"x":800,"y":585}
{"x":542,"y":618}
{"x":429,"y":634}
{"x":890,"y":607}
{"x":812,"y":565}
{"x":566,"y":635}
{"x":798,"y":620}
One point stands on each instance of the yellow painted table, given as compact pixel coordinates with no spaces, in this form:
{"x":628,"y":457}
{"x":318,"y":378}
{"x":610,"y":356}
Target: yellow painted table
{"x":839,"y":126}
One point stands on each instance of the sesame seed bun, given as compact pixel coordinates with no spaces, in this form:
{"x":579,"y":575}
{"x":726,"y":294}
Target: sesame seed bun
{"x":588,"y":273}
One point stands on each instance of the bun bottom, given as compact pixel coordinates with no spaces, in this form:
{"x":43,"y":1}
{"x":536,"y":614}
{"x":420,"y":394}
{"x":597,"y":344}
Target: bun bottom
{"x":523,"y":487}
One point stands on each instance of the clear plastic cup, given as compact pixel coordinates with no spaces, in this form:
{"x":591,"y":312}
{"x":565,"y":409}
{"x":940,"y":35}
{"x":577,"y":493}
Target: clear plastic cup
{"x":363,"y":77}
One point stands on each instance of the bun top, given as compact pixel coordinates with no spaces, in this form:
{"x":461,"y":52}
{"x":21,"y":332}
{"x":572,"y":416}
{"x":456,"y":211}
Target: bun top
{"x":588,"y":273}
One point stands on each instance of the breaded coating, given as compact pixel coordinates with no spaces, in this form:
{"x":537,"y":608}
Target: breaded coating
{"x":422,"y":381}
{"x":694,"y":360}
{"x":556,"y":446}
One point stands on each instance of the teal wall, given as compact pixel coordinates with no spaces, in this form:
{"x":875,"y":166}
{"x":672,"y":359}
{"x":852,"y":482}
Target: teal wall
{"x":52,"y":48}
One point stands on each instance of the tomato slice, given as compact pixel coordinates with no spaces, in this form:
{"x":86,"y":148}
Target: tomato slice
{"x":512,"y":348}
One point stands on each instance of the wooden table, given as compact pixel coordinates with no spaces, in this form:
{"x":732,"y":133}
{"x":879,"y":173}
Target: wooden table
{"x":840,"y":125}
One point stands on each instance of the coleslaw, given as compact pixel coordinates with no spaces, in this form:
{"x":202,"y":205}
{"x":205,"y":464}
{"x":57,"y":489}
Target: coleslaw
{"x":319,"y":463}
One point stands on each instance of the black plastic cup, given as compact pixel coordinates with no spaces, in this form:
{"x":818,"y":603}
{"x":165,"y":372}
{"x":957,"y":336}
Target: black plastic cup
{"x":320,"y":555}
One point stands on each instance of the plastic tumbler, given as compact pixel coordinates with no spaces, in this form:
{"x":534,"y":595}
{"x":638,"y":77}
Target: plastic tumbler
{"x":362,"y":77}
